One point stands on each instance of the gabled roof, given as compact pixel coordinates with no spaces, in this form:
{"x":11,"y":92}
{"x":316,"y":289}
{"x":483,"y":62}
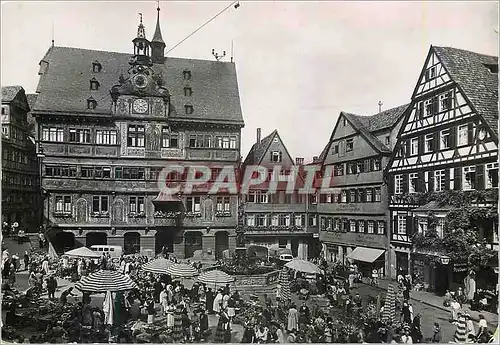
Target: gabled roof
{"x":258,"y":150}
{"x":31,"y":97}
{"x":65,"y":75}
{"x":479,"y":84}
{"x":367,"y":125}
{"x":10,"y":92}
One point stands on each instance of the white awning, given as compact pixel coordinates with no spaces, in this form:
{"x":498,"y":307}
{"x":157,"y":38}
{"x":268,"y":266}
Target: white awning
{"x":365,"y":254}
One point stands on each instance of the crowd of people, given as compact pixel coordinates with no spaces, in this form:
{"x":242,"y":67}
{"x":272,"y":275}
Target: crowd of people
{"x":167,"y":310}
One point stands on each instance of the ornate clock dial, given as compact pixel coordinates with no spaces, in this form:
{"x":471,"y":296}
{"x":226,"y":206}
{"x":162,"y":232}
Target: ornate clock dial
{"x":140,"y":105}
{"x":140,"y":81}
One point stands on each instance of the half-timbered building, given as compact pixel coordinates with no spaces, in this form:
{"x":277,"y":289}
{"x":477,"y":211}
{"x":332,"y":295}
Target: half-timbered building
{"x":353,"y":220}
{"x":273,"y":216}
{"x":448,"y":141}
{"x":110,"y":122}
{"x":20,"y":173}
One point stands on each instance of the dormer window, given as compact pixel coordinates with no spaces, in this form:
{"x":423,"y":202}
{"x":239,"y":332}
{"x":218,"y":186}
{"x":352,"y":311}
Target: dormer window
{"x":492,"y":67}
{"x":187,"y":74}
{"x":188,"y":108}
{"x":94,"y":84}
{"x":188,"y":92}
{"x":96,"y":66}
{"x":91,"y":103}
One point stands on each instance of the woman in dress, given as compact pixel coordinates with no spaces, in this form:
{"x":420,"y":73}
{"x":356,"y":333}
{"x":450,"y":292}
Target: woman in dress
{"x":221,"y":334}
{"x":170,"y":316}
{"x":231,"y":304}
{"x":293,"y":318}
{"x":178,"y":332}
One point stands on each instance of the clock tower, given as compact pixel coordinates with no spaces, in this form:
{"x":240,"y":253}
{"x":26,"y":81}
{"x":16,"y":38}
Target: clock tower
{"x":141,"y":93}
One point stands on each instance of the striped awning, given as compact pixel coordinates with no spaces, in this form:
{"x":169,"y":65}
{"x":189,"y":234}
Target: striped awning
{"x":215,"y":278}
{"x":105,"y":280}
{"x":182,"y":271}
{"x":158,"y":266}
{"x":461,"y":330}
{"x":365,"y":254}
{"x":83,"y":252}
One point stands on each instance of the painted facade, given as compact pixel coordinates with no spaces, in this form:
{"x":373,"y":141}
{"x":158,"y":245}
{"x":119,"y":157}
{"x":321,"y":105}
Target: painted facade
{"x":110,"y":122}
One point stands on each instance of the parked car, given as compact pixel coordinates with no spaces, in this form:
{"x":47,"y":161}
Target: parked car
{"x":114,"y":251}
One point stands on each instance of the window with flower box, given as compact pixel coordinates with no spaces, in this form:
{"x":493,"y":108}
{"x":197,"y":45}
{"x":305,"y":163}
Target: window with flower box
{"x":63,"y":204}
{"x":223,"y":205}
{"x":136,"y":205}
{"x":381,"y":228}
{"x":352,"y":226}
{"x":100,"y":206}
{"x":371,"y":227}
{"x":193,"y":204}
{"x":361,"y":226}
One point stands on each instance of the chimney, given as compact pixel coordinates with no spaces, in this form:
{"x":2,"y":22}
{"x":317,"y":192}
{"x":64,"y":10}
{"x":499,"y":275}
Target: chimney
{"x":299,"y":161}
{"x":315,"y":159}
{"x":258,"y":135}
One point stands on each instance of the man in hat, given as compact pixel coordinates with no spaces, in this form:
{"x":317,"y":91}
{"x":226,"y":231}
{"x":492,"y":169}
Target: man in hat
{"x":406,"y":337}
{"x":51,"y":286}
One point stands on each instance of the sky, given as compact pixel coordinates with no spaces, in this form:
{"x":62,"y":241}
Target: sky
{"x":299,"y":64}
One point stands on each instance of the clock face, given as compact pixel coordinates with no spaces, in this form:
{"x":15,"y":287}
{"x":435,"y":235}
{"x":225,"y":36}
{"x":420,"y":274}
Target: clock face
{"x":482,"y":134}
{"x":140,"y":81}
{"x":140,"y":106}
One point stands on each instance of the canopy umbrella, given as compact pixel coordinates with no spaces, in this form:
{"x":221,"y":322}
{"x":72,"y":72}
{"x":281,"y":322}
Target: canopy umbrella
{"x":83,"y":252}
{"x":303,"y":266}
{"x":104,"y":280}
{"x":284,"y":282}
{"x":158,"y":266}
{"x":107,"y":308}
{"x":389,"y":312}
{"x":182,"y":271}
{"x":215,"y":278}
{"x":461,"y":331}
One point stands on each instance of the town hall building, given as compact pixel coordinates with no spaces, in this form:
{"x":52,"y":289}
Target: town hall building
{"x":108,"y":123}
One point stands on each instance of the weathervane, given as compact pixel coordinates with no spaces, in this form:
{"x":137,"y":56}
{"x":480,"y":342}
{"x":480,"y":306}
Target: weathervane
{"x":217,"y":56}
{"x":380,"y":104}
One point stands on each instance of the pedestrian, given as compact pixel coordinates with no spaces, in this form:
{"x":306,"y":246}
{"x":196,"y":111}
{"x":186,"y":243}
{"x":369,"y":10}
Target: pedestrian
{"x":406,"y":337}
{"x":64,"y":295}
{"x":51,"y":287}
{"x":217,"y":302}
{"x":436,"y":336}
{"x":455,"y":309}
{"x":406,"y":292}
{"x":293,"y":318}
{"x":26,"y":261}
{"x":150,"y":307}
{"x":209,"y":302}
{"x":405,"y":313}
{"x":471,"y":332}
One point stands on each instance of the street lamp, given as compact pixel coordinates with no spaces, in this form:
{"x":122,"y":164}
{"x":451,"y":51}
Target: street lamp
{"x":40,"y":156}
{"x":445,"y":260}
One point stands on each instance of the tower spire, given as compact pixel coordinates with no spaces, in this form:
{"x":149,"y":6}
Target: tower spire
{"x":157,"y":36}
{"x":157,"y":43}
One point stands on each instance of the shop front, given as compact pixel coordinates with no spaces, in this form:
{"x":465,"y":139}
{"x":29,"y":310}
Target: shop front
{"x":368,"y":259}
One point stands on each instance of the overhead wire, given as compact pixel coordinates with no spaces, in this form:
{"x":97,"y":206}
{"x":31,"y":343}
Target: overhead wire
{"x":235,"y":3}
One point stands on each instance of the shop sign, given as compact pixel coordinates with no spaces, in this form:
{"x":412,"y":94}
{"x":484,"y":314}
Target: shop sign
{"x":462,"y":267}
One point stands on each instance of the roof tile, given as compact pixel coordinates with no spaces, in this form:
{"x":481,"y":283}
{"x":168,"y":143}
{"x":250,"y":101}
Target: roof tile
{"x":477,"y":81}
{"x":64,"y":84}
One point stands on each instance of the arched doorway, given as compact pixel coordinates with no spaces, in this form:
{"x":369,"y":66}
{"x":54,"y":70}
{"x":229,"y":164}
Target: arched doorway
{"x":96,"y":238}
{"x":63,"y":241}
{"x":164,"y":240}
{"x":131,"y":242}
{"x":193,"y":241}
{"x":221,"y":243}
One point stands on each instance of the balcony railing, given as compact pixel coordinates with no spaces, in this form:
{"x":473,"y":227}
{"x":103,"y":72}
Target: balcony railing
{"x":223,"y":214}
{"x":170,"y":215}
{"x":275,"y":228}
